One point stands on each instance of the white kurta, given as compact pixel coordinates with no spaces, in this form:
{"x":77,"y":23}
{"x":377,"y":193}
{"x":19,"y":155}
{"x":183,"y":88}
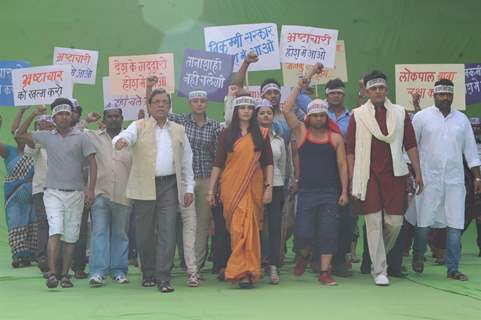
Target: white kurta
{"x":442,"y":143}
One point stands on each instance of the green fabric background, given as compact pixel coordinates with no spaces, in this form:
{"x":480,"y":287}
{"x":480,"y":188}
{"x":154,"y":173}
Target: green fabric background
{"x":378,"y":34}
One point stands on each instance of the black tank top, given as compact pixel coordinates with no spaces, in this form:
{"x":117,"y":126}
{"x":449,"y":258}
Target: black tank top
{"x":318,"y":163}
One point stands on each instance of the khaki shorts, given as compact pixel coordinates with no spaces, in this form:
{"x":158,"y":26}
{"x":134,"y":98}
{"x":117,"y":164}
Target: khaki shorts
{"x":64,"y":213}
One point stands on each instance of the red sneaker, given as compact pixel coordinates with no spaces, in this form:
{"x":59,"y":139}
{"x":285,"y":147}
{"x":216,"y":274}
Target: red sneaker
{"x":326,"y":278}
{"x":301,"y":263}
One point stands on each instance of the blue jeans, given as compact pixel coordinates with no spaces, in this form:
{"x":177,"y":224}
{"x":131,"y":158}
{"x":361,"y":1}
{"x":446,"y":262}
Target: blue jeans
{"x":317,"y":220}
{"x":109,"y":244}
{"x":453,"y":246}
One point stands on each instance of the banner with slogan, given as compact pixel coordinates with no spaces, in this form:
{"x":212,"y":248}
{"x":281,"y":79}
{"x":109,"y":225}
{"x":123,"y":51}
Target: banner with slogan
{"x":41,"y":85}
{"x":239,"y":40}
{"x":472,"y":77}
{"x":206,"y":71}
{"x":84,"y":63}
{"x":6,"y":90}
{"x":130,"y":104}
{"x":308,"y":45}
{"x":255,"y":92}
{"x":291,"y":72}
{"x":420,"y":78}
{"x":128,"y":74}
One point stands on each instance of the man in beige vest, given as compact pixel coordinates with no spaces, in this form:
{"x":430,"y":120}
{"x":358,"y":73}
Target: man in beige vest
{"x":161,"y":177}
{"x":378,"y":131}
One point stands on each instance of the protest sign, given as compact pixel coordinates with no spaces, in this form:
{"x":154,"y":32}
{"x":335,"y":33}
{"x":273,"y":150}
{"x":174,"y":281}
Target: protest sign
{"x":128,"y":74}
{"x":6,"y":90}
{"x":207,"y":71}
{"x":84,"y":63}
{"x":239,"y":40}
{"x":420,"y":79}
{"x":41,"y":85}
{"x":308,"y":45}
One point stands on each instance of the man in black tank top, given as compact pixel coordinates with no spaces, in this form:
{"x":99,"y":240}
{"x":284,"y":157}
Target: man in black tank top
{"x":323,"y":182}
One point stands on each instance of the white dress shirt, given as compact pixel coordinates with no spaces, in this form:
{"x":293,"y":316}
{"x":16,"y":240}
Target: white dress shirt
{"x":164,"y":162}
{"x":442,"y":143}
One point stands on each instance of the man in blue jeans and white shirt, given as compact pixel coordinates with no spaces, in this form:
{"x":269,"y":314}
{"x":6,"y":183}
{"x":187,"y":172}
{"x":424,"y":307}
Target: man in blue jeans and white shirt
{"x":444,"y":137}
{"x":111,"y":209}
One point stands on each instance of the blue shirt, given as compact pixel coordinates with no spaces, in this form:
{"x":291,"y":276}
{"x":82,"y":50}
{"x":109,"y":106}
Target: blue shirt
{"x":342,"y":122}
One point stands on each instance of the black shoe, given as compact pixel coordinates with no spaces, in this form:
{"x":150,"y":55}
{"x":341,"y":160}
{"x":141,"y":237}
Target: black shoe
{"x":365,"y":267}
{"x":246,"y":283}
{"x":341,"y":270}
{"x":80,"y":274}
{"x":418,"y":264}
{"x":65,"y":281}
{"x":397,"y":274}
{"x":165,"y":287}
{"x":52,"y":281}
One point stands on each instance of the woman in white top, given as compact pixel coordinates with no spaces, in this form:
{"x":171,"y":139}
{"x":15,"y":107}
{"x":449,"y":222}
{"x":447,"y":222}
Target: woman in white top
{"x":273,"y":211}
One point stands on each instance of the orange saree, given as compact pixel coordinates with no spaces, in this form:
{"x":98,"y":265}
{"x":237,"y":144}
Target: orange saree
{"x":241,"y":193}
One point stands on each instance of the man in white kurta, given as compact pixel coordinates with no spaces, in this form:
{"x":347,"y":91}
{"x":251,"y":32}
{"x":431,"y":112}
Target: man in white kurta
{"x":444,"y":137}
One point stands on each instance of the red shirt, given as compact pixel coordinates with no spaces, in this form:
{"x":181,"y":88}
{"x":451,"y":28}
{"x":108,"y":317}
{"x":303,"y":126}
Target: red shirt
{"x":381,"y":158}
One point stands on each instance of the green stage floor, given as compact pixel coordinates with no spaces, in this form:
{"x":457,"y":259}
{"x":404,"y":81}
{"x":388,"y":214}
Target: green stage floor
{"x":23,"y":295}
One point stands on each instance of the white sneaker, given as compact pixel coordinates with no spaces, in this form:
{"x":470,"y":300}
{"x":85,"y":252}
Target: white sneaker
{"x":381,"y":280}
{"x":193,"y":280}
{"x":96,"y":281}
{"x":121,"y":278}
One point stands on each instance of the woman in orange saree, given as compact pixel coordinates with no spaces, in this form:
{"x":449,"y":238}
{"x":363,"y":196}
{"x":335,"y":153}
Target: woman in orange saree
{"x":244,"y":165}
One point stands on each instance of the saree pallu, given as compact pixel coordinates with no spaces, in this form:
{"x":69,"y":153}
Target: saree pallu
{"x":242,"y":186}
{"x":20,"y":214}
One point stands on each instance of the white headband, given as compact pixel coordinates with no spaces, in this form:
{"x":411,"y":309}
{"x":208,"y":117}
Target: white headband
{"x":443,"y":89}
{"x":244,"y":101}
{"x":75,"y":103}
{"x":112,"y":105}
{"x":270,"y":86}
{"x":61,"y":108}
{"x":475,"y":121}
{"x":44,"y":117}
{"x":375,"y":82}
{"x":338,"y":90}
{"x":197,"y":94}
{"x":263,"y":103}
{"x":317,"y":106}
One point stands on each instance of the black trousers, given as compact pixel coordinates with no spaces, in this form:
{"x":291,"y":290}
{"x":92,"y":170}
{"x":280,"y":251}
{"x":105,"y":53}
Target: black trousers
{"x":39,"y":207}
{"x":80,"y":252}
{"x":221,"y":239}
{"x":273,"y":215}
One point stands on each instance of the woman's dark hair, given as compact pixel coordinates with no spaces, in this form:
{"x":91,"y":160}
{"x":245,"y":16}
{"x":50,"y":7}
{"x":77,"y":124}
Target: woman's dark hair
{"x":234,"y":131}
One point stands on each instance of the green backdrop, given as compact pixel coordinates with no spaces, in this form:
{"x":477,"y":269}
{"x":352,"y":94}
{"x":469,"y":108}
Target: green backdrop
{"x":378,"y":34}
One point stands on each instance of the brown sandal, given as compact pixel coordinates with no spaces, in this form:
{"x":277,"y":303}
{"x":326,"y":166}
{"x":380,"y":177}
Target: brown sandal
{"x":456,"y":275}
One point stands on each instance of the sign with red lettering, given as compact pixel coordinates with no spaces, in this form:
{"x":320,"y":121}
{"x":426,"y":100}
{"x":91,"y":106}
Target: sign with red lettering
{"x":308,"y":45}
{"x":84,"y":63}
{"x":420,"y":79}
{"x":41,"y":85}
{"x":128,"y":74}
